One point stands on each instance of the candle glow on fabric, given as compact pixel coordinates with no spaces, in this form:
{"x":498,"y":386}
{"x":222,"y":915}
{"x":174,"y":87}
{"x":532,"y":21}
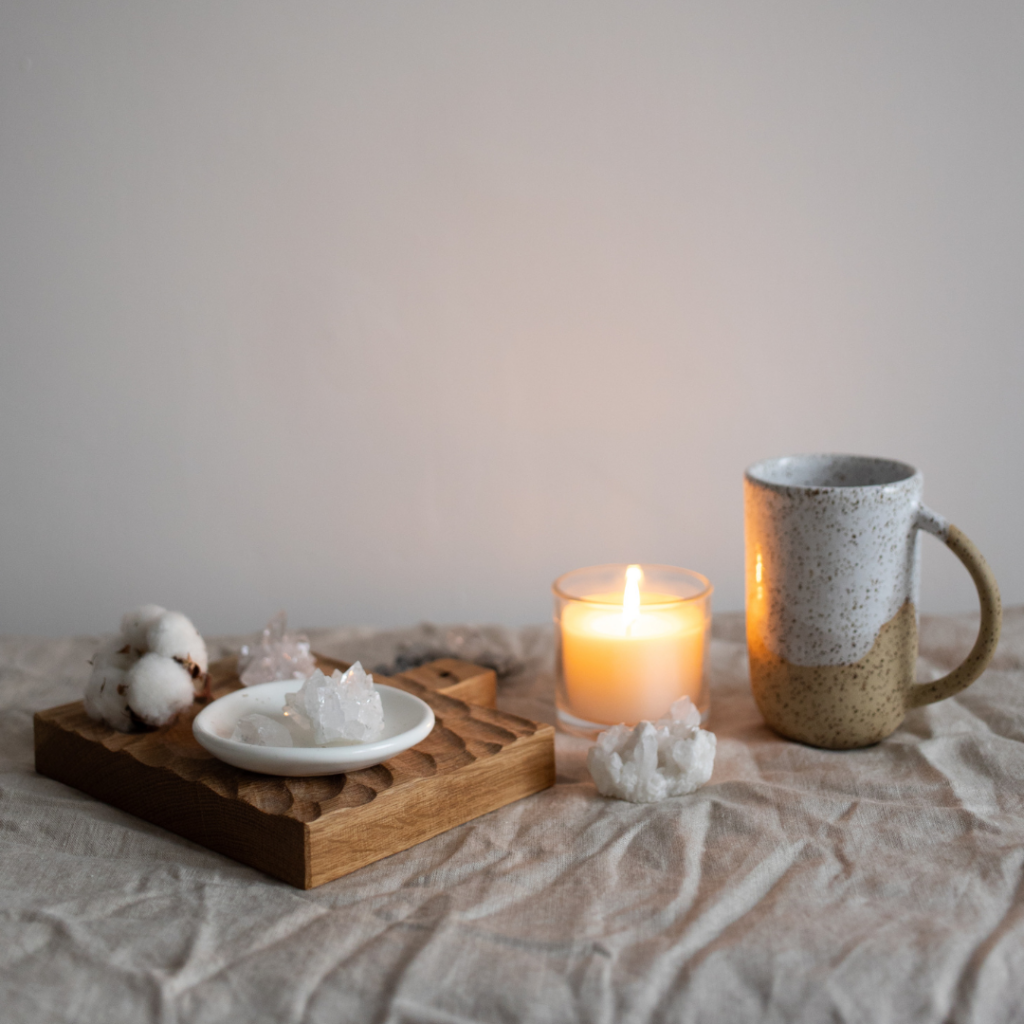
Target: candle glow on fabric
{"x":626,"y":659}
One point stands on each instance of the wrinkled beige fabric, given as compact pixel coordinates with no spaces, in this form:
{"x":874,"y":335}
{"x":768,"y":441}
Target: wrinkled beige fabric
{"x":800,"y":885}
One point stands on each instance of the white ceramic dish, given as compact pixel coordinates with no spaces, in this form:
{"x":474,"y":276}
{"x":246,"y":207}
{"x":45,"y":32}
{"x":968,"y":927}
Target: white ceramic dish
{"x":407,"y":720}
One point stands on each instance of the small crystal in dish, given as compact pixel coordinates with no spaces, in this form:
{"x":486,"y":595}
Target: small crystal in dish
{"x":651,"y":761}
{"x":261,"y":731}
{"x":338,"y":707}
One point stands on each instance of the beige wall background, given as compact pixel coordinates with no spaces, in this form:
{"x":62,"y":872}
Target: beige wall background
{"x":391,"y":311}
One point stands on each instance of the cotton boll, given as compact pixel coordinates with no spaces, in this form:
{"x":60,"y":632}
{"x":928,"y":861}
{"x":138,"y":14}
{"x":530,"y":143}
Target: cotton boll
{"x":117,"y":652}
{"x":135,"y":624}
{"x":106,"y":697}
{"x":173,"y":636}
{"x":158,"y":688}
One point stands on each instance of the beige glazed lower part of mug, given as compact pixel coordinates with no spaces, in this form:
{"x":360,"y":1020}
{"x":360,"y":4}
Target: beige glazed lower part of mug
{"x":842,"y":707}
{"x":839,"y":706}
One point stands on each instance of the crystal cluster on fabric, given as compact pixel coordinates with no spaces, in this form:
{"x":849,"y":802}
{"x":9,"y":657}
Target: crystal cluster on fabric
{"x":338,"y":707}
{"x":490,"y":646}
{"x":278,"y":655}
{"x":144,"y":675}
{"x":652,"y":761}
{"x":261,"y":731}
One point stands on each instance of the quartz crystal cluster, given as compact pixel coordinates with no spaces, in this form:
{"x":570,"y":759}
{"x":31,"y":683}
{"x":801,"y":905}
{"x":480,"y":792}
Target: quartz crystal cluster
{"x":278,"y":655}
{"x":670,"y":757}
{"x":338,"y":707}
{"x":144,"y":675}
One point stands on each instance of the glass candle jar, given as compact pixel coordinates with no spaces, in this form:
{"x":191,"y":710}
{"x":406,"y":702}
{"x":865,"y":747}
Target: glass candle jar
{"x":632,"y":639}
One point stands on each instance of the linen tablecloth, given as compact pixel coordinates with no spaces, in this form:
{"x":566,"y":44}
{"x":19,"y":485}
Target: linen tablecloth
{"x":878,"y":885}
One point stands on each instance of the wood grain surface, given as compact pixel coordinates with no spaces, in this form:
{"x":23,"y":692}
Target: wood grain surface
{"x":308,"y":831}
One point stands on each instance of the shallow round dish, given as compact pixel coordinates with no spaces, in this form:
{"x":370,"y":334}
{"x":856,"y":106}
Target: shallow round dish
{"x":407,"y":720}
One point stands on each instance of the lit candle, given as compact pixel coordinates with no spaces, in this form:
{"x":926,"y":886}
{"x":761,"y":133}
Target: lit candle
{"x":626,"y":655}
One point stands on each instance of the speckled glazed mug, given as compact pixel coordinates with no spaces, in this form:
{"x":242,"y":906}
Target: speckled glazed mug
{"x":832,"y":581}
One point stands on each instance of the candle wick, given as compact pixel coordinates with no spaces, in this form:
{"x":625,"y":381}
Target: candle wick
{"x":631,"y":597}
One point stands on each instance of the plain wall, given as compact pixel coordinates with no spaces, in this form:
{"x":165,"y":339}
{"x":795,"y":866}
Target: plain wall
{"x":381,"y":311}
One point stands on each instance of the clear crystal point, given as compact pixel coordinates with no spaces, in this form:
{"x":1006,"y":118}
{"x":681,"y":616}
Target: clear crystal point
{"x":338,"y":707}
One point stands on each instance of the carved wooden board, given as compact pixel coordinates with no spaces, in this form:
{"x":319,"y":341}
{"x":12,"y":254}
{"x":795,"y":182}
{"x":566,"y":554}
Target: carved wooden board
{"x":312,"y":830}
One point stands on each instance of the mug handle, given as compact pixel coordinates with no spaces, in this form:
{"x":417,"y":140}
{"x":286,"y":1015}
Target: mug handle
{"x":991,"y":613}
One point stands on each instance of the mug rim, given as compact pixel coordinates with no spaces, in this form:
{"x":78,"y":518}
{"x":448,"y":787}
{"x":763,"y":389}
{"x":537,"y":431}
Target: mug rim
{"x":890,"y":472}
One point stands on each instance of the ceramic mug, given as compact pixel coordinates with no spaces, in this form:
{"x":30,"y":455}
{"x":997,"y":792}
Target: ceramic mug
{"x":832,"y":582}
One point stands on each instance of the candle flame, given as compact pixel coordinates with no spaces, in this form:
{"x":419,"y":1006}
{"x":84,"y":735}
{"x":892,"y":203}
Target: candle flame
{"x":631,"y":596}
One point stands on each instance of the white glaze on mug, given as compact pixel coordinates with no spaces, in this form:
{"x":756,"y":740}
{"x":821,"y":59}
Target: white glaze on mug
{"x":832,"y":552}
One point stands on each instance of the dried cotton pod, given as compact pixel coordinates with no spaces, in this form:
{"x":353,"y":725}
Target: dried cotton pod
{"x":158,"y":688}
{"x":106,"y":697}
{"x":136,"y":623}
{"x":172,"y":635}
{"x":116,"y":652}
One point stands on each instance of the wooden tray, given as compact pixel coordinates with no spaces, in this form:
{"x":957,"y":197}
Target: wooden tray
{"x":312,"y":830}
